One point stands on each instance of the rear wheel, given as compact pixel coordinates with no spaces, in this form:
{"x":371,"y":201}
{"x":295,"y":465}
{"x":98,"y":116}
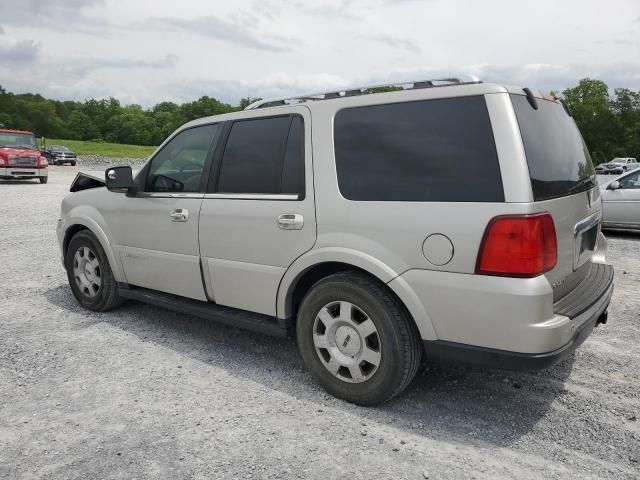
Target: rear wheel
{"x":89,"y":274}
{"x":356,"y":339}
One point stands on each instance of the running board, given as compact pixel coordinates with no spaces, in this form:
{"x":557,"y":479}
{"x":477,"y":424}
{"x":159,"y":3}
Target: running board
{"x":233,"y":317}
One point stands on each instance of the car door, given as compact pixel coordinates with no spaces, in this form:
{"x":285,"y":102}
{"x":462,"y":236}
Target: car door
{"x":156,"y":231}
{"x":258,"y":215}
{"x":622,"y":205}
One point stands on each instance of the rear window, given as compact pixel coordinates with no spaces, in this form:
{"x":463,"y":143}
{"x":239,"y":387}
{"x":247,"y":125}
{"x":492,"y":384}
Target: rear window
{"x":426,"y":151}
{"x":559,"y":162}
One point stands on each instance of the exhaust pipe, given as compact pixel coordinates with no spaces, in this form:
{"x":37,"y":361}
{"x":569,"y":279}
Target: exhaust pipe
{"x":602,"y":319}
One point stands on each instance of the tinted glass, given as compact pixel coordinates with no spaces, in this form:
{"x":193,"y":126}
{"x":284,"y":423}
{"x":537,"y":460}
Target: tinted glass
{"x":559,"y":162}
{"x":434,"y":150}
{"x":179,"y":165}
{"x":253,"y":157}
{"x":293,"y":165}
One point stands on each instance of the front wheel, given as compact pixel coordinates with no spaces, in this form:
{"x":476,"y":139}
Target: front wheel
{"x":89,"y":274}
{"x":44,"y":179}
{"x":356,"y":339}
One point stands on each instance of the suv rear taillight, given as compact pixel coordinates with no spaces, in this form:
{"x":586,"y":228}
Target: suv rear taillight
{"x":518,"y":246}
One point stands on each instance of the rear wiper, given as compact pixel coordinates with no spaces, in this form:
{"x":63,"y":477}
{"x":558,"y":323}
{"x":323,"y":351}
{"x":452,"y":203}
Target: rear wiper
{"x":577,"y":187}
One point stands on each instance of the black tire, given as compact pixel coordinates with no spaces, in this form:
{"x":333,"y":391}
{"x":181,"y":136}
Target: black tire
{"x":106,"y":297}
{"x":44,"y":179}
{"x":400,"y":347}
{"x":73,"y":164}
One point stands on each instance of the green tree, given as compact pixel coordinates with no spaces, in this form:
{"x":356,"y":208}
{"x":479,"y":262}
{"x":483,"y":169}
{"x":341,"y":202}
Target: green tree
{"x":591,"y":106}
{"x":81,"y":127}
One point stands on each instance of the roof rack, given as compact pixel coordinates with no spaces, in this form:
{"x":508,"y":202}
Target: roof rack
{"x":352,"y":91}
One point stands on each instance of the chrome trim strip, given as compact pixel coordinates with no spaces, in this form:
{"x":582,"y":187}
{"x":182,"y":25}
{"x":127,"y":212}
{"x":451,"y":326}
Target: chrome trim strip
{"x":170,"y":195}
{"x":252,"y":196}
{"x":587,"y":223}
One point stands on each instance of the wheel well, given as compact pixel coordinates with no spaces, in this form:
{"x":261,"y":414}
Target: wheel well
{"x":322,"y":270}
{"x":71,"y":231}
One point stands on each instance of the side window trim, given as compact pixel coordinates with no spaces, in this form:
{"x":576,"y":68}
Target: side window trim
{"x":211,"y":189}
{"x":142,"y":177}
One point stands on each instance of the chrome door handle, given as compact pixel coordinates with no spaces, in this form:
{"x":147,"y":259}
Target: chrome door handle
{"x":179,"y":215}
{"x":291,"y":221}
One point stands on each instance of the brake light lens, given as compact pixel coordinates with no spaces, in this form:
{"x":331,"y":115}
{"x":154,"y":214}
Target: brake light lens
{"x":518,"y":246}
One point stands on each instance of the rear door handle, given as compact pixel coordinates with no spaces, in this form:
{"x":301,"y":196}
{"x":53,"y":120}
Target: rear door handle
{"x":179,"y":215}
{"x":291,"y":221}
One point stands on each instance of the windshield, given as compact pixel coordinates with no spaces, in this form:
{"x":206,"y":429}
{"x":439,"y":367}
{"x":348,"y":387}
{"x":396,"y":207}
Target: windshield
{"x":559,"y":162}
{"x":619,"y":160}
{"x":18,"y":140}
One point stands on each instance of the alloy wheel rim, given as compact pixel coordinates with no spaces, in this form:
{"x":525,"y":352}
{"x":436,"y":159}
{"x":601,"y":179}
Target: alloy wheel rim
{"x":347,"y":342}
{"x":87,"y":272}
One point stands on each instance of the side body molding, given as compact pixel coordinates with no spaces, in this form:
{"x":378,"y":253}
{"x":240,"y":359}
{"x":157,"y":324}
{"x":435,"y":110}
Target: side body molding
{"x":360,"y":260}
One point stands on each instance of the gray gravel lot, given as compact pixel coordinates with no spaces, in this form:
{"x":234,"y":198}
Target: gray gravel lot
{"x":145,"y":393}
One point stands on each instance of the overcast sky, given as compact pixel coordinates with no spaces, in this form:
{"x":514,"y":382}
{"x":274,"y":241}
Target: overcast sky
{"x":147,"y":51}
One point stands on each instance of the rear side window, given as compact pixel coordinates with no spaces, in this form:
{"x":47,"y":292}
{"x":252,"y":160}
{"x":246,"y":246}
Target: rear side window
{"x":264,"y":155}
{"x":428,"y":151}
{"x":559,"y":162}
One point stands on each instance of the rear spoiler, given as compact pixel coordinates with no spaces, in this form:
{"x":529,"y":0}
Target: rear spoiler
{"x":84,"y":181}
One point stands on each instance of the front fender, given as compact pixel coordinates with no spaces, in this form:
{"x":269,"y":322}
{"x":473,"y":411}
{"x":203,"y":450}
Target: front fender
{"x":363,"y":261}
{"x":90,"y":217}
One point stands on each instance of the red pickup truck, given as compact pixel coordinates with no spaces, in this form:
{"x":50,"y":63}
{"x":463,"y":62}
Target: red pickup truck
{"x":20,"y":157}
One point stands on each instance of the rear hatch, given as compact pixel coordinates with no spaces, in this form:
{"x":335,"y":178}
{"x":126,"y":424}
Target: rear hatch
{"x":564,"y":184}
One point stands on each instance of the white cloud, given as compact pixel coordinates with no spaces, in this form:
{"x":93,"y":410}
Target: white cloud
{"x":22,"y":51}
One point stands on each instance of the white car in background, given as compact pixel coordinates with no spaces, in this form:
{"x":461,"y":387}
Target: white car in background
{"x":621,"y":202}
{"x":617,"y":166}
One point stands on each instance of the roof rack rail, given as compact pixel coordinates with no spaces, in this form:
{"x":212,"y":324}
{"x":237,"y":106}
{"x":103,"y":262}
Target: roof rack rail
{"x":352,"y":91}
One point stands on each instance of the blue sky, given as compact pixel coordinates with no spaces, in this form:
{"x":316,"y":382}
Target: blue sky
{"x":148,"y":51}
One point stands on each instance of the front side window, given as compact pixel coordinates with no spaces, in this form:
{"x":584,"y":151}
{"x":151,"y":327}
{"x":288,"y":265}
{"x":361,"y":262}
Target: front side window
{"x":179,"y":165}
{"x":438,"y":150}
{"x":264,"y":155}
{"x":630,"y":182}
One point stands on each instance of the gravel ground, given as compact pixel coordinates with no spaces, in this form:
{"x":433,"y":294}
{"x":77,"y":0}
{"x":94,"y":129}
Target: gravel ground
{"x":144,"y":393}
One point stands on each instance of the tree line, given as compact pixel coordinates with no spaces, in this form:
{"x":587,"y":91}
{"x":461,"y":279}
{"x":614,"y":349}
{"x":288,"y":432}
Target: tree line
{"x":609,"y":121}
{"x":106,"y":119}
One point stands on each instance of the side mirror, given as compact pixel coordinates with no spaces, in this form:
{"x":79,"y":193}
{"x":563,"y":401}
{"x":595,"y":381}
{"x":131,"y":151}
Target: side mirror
{"x":120,"y":180}
{"x":615,"y":185}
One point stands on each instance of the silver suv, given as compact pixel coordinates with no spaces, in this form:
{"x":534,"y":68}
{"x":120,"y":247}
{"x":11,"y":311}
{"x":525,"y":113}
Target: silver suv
{"x":452,"y":219}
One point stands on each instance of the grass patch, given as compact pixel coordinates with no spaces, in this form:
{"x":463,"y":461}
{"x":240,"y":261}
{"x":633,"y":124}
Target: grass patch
{"x":80,"y":147}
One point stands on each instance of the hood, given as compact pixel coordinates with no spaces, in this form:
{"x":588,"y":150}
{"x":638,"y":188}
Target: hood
{"x":21,"y":152}
{"x":84,"y":181}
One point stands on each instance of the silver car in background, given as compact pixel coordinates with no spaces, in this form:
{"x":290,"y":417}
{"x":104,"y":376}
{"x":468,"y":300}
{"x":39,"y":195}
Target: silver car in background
{"x":621,"y":202}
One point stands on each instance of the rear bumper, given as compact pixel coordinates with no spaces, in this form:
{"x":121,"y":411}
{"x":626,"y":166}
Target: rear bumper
{"x":488,"y":357}
{"x":505,"y":322}
{"x":22,"y":172}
